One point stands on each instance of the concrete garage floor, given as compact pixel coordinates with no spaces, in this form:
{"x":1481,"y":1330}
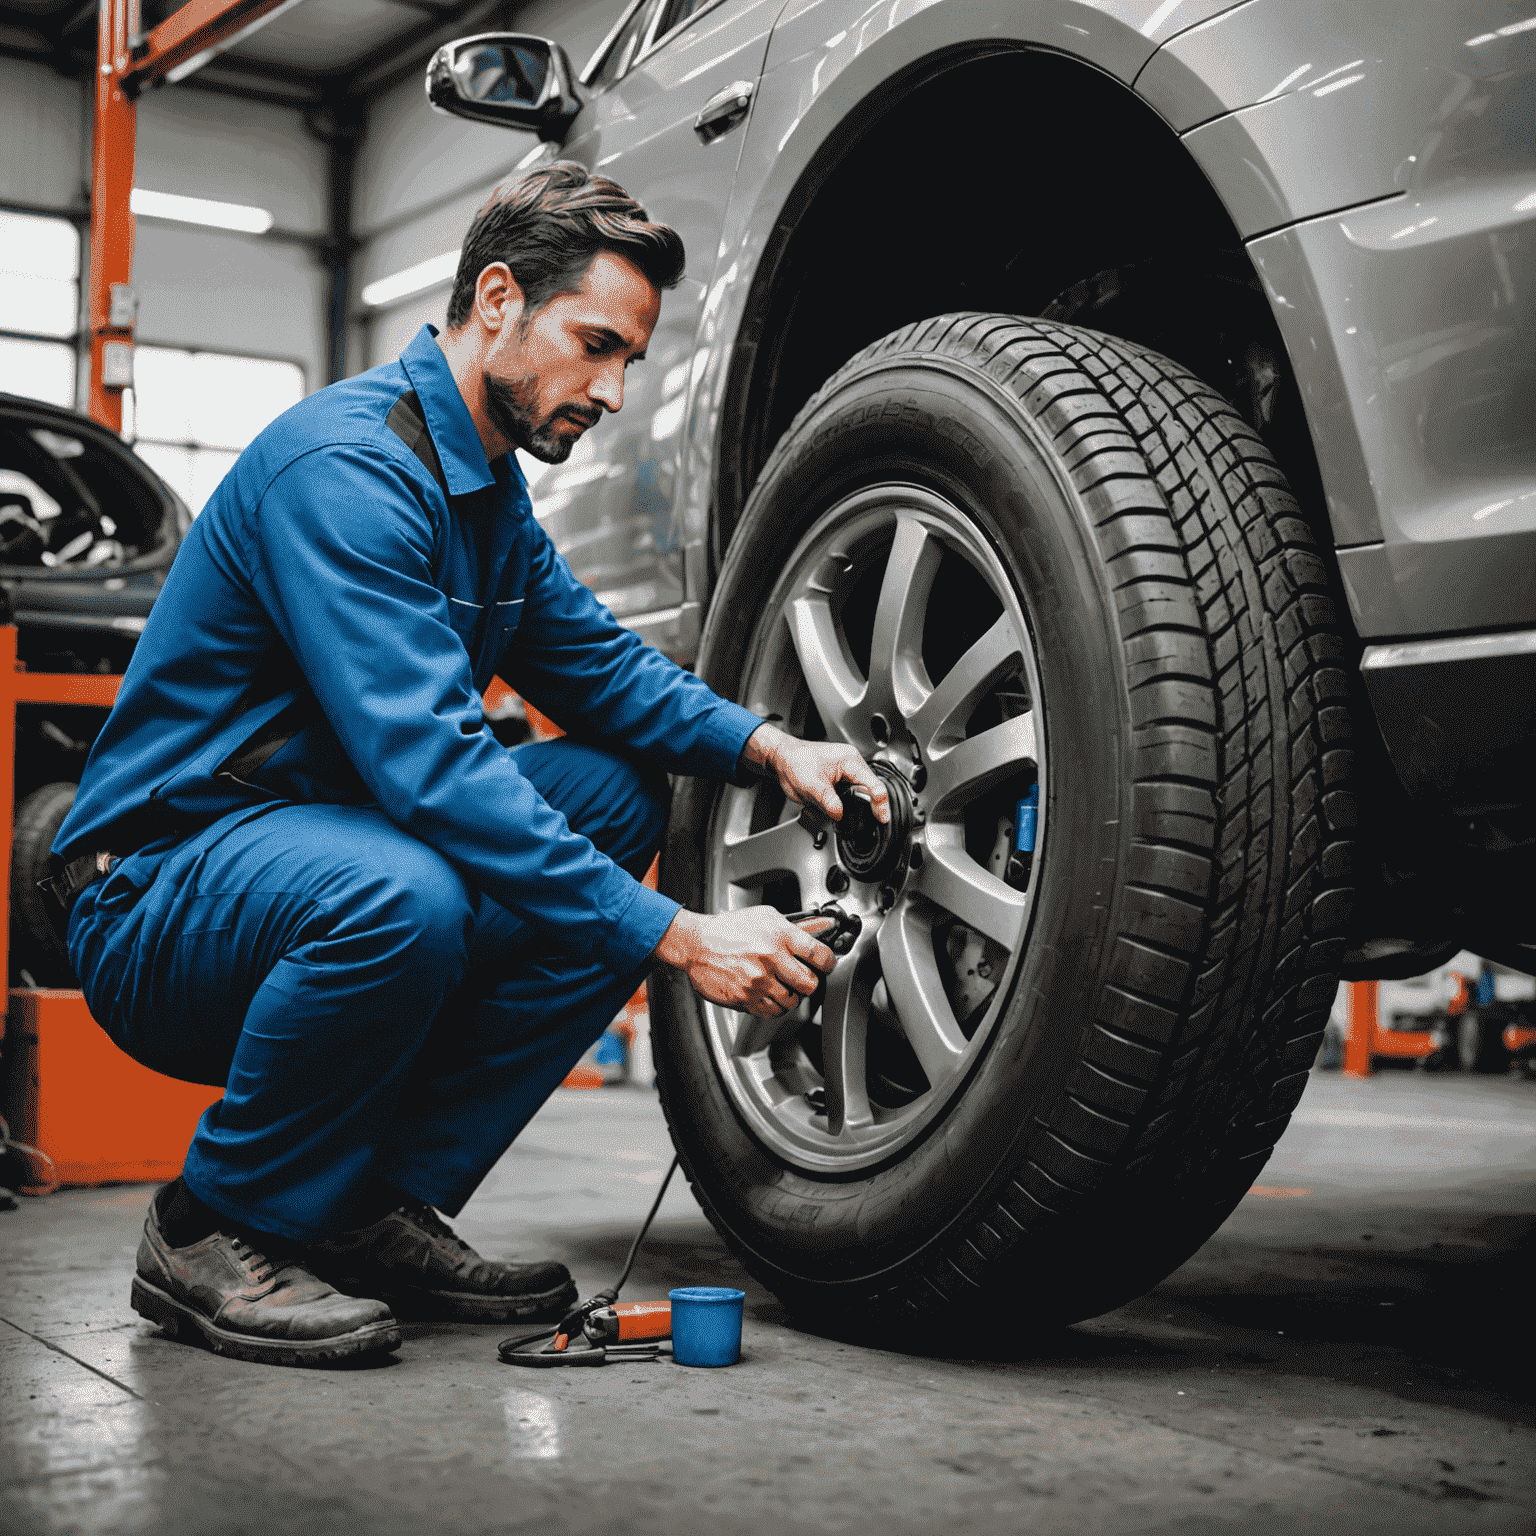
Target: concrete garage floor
{"x":1349,"y":1354}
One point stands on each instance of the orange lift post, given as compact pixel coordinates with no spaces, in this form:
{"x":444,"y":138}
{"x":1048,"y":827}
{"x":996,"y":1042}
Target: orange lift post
{"x":129,"y":63}
{"x":1365,"y":1040}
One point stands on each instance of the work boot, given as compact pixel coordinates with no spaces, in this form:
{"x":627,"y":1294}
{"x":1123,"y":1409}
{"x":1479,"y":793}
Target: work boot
{"x":413,"y":1259}
{"x":244,"y":1303}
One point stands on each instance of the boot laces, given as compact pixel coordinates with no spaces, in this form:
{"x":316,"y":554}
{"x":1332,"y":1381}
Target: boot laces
{"x":426,"y":1217}
{"x":257,"y":1264}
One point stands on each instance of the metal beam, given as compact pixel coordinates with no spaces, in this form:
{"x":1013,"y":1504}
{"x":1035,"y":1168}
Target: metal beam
{"x":192,"y":36}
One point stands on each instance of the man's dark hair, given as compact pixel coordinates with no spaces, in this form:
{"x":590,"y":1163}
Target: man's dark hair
{"x":549,"y":225}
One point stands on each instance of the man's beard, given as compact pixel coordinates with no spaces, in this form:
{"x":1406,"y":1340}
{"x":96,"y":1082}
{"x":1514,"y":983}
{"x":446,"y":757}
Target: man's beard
{"x":511,"y":405}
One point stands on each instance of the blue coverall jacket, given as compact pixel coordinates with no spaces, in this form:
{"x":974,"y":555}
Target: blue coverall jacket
{"x":339,"y":576}
{"x":322,"y":642}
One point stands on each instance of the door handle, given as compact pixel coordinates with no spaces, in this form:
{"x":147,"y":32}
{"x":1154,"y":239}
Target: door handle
{"x":723,"y":110}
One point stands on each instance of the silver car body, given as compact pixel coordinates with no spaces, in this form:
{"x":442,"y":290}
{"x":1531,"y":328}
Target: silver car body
{"x":1378,"y":162}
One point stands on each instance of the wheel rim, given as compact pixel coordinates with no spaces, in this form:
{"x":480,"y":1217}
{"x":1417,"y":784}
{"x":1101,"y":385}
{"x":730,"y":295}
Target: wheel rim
{"x":895,"y":627}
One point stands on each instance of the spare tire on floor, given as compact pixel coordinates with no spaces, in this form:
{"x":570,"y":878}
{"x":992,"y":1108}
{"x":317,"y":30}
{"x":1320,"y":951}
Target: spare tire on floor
{"x":1032,"y":572}
{"x":35,"y":945}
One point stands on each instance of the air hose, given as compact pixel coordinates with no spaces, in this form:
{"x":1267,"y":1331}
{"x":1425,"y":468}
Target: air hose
{"x":520,"y":1350}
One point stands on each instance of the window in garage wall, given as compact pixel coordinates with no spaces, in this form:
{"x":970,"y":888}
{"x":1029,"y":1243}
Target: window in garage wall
{"x":39,"y":306}
{"x":194,"y":411}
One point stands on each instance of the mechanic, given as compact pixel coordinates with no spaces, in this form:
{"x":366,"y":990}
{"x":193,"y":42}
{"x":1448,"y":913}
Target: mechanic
{"x":300,"y":865}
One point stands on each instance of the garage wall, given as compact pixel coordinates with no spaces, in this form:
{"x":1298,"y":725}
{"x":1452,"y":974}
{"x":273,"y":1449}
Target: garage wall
{"x":218,"y":289}
{"x":421,"y":176}
{"x":41,"y":153}
{"x":201,"y":288}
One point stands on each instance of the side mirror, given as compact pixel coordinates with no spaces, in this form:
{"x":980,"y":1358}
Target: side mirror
{"x":508,"y":78}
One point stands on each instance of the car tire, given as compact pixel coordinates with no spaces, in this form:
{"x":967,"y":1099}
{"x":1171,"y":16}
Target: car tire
{"x":1177,"y":653}
{"x":1480,"y":1042}
{"x":35,"y":944}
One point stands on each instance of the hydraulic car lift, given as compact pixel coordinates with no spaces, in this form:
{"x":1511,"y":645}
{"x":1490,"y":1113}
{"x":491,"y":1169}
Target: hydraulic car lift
{"x":128,"y":63}
{"x":66,"y":1088}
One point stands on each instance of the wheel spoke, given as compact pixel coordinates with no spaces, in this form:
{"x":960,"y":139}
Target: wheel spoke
{"x":754,"y":1034}
{"x":971,"y":767}
{"x":844,"y":1035}
{"x":917,"y":992}
{"x":897,"y":677}
{"x":785,"y":849}
{"x":940,"y":718}
{"x":952,"y":879}
{"x":830,"y":674}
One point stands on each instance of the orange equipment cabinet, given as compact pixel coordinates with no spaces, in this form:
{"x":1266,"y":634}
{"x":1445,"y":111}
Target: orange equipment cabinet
{"x":66,"y":1089}
{"x":97,"y":1113}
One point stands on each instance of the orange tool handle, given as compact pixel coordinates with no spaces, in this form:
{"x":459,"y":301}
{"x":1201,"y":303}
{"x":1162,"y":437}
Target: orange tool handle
{"x":644,"y":1320}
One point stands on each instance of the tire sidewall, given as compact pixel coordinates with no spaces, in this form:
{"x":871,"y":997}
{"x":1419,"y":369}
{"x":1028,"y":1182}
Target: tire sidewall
{"x":931,"y":422}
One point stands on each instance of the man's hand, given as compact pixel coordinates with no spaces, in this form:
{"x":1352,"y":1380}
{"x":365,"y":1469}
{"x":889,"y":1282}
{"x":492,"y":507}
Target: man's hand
{"x":751,"y":960}
{"x":810,"y":771}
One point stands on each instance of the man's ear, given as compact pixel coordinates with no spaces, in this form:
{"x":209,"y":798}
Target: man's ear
{"x":498,"y":299}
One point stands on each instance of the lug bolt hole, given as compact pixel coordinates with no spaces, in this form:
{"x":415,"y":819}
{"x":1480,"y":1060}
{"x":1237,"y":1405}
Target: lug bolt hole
{"x":837,"y":880}
{"x":915,"y":857}
{"x":887,"y":898}
{"x":880,"y":729}
{"x":919,"y":778}
{"x":819,"y":841}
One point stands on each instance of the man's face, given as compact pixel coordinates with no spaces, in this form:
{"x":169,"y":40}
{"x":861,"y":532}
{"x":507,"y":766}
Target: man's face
{"x":551,"y":375}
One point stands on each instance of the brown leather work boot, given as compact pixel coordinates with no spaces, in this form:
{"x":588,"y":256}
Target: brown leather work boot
{"x":245,"y":1304}
{"x":414,"y":1260}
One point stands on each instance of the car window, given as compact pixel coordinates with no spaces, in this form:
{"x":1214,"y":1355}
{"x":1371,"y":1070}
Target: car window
{"x":677,"y":12}
{"x":624,"y":48}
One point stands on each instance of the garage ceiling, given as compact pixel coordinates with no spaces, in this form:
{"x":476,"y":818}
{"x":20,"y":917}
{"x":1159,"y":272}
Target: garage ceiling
{"x":319,"y":52}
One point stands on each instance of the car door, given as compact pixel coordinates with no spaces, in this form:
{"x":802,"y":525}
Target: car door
{"x":609,"y":508}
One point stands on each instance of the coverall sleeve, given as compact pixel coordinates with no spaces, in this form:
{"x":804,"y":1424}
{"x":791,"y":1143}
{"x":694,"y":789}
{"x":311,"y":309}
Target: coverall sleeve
{"x":575,"y":661}
{"x":340,"y":555}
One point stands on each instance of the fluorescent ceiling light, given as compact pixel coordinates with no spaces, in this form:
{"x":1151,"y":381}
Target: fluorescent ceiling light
{"x":425,"y":274}
{"x":200,"y":210}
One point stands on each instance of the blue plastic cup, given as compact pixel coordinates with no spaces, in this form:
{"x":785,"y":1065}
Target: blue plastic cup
{"x":706,"y":1324}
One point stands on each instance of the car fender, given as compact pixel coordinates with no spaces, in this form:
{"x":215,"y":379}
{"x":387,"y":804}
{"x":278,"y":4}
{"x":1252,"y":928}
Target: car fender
{"x":1410,"y":335}
{"x":828,"y":62}
{"x":1399,"y":273}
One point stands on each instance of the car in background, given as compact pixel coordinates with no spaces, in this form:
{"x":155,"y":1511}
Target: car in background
{"x":87,"y":533}
{"x":1114,"y":417}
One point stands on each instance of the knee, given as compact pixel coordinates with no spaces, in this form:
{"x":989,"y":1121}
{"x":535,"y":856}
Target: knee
{"x":418,"y":905}
{"x":640,"y":798}
{"x":621,"y":806}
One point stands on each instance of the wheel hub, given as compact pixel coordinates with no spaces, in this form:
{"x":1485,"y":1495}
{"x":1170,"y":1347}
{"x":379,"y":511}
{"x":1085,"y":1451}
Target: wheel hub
{"x":872,"y":850}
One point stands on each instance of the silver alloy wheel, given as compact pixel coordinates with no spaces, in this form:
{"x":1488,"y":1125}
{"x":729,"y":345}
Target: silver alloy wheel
{"x":943,"y":918}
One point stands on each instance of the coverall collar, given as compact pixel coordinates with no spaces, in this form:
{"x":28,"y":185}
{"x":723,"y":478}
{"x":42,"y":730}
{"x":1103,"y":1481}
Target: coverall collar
{"x":458,"y":445}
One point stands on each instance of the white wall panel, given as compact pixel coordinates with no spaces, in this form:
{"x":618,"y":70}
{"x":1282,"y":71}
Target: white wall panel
{"x":236,"y":293}
{"x":202,"y":145}
{"x":392,"y":330}
{"x":41,"y":117}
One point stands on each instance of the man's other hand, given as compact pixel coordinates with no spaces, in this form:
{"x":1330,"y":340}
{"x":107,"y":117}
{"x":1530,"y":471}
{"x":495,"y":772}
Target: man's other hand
{"x":752,"y":960}
{"x":810,"y":771}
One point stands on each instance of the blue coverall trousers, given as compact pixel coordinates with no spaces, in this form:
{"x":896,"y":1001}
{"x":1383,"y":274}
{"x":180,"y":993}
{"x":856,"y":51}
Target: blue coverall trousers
{"x":374,"y":1022}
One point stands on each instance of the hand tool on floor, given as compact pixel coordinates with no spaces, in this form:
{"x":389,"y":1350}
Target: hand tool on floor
{"x":613,"y":1330}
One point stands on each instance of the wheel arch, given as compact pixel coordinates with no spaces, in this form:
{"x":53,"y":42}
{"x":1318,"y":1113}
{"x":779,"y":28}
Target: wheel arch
{"x":825,"y":284}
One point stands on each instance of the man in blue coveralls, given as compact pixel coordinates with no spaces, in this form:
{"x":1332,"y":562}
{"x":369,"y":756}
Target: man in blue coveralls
{"x":301,"y":867}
